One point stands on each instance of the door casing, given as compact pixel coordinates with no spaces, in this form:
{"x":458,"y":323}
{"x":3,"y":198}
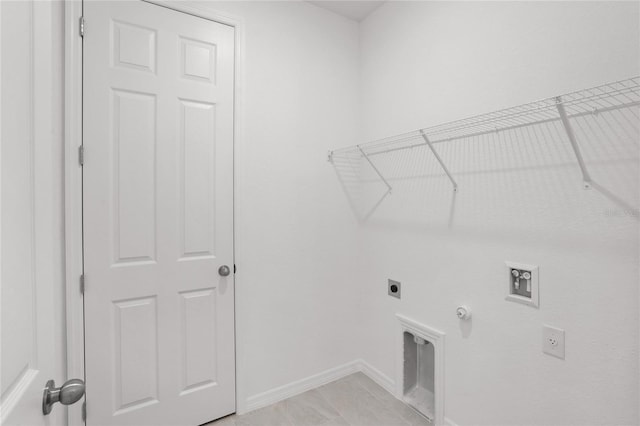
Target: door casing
{"x":73,"y":182}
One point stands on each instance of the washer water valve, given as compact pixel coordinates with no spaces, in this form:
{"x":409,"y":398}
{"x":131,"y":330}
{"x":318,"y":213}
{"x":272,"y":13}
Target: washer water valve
{"x":525,"y":275}
{"x":523,"y":283}
{"x":463,"y":312}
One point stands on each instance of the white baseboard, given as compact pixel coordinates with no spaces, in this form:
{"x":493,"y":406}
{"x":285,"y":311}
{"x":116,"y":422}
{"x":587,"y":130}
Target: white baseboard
{"x":449,"y":422}
{"x":294,"y":388}
{"x":280,"y":393}
{"x":377,"y":376}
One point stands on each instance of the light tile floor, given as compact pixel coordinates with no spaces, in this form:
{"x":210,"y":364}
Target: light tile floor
{"x":355,"y":400}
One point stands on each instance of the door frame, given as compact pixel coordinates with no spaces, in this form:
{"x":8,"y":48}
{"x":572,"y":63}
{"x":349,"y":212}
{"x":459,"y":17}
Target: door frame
{"x":73,"y":182}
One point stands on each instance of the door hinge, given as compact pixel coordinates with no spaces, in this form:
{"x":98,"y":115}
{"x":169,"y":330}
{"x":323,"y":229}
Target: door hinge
{"x":82,"y":286}
{"x":234,"y":268}
{"x":81,"y":155}
{"x":81,"y":26}
{"x":84,"y":411}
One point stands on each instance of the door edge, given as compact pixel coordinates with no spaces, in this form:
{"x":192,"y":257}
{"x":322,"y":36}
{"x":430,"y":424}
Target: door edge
{"x":73,"y":198}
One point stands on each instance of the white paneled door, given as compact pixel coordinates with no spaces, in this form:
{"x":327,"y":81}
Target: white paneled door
{"x":158,"y":215}
{"x":31,"y":312}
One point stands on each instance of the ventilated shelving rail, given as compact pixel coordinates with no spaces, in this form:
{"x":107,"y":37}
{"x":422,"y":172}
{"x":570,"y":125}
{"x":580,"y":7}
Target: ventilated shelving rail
{"x":607,"y":97}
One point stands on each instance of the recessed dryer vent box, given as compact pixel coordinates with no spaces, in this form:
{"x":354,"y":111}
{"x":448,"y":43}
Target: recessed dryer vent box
{"x":523,"y":286}
{"x":420,"y":369}
{"x":419,"y":374}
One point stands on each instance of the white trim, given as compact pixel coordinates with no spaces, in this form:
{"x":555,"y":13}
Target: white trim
{"x":47,"y":256}
{"x":73,"y":181}
{"x":281,"y":393}
{"x":16,"y":391}
{"x":2,"y":410}
{"x":199,"y":11}
{"x":295,"y":388}
{"x":377,"y":376}
{"x":449,"y":422}
{"x":437,"y":339}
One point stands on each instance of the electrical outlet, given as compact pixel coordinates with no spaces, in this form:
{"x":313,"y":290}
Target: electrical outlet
{"x":553,"y":341}
{"x":394,"y":288}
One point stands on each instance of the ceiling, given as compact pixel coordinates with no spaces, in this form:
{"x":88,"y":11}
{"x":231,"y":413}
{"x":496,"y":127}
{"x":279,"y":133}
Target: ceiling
{"x":356,"y":10}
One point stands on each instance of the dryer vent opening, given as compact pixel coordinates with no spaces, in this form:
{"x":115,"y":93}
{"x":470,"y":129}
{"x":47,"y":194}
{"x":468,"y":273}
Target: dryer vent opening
{"x":419,"y":374}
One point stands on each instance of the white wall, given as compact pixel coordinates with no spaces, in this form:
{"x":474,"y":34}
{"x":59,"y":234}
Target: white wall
{"x":295,"y":235}
{"x":299,"y":249}
{"x":424,"y":63}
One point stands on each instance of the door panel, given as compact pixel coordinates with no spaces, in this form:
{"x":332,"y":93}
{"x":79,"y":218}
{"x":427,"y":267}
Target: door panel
{"x":136,"y":349}
{"x":197,"y":180}
{"x":199,"y":339}
{"x":158,"y":215}
{"x":134,"y":186}
{"x":32,"y":335}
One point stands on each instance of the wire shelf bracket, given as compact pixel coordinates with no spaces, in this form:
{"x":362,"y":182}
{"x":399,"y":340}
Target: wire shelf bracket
{"x":375,"y":169}
{"x":586,"y":178}
{"x":435,"y":154}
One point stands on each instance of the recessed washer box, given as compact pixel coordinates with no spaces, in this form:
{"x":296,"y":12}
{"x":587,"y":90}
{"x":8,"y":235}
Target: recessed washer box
{"x":523,"y":284}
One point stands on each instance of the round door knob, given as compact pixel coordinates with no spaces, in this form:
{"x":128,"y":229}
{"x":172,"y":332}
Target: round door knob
{"x":224,"y":270}
{"x":67,"y":394}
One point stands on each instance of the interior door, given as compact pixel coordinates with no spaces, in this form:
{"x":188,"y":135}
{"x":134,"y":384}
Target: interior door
{"x":32,"y":350}
{"x":158,"y":215}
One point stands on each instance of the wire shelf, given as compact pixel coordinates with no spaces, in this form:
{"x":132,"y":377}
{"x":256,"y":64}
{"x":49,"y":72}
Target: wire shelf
{"x":594,"y":131}
{"x":595,"y":100}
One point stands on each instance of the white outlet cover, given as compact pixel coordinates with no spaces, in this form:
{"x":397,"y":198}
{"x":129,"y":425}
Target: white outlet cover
{"x":553,"y":341}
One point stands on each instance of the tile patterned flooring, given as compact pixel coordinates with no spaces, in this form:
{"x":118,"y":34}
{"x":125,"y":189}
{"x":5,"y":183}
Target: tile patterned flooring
{"x":355,"y":400}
